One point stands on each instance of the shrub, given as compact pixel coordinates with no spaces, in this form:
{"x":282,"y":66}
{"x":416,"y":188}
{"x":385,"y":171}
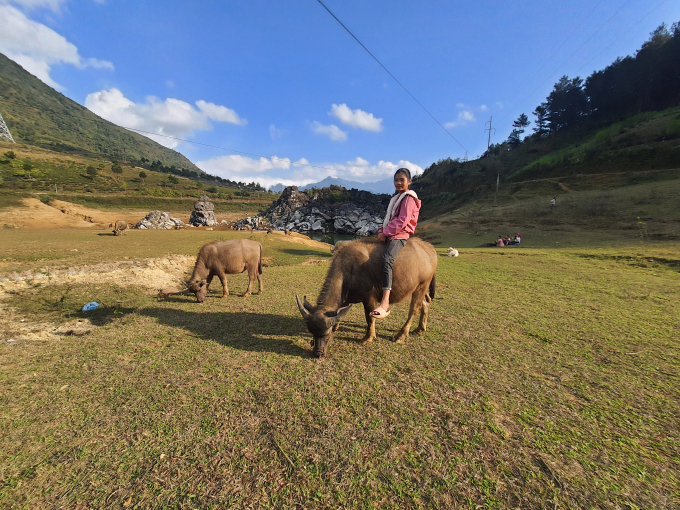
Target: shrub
{"x":10,"y":155}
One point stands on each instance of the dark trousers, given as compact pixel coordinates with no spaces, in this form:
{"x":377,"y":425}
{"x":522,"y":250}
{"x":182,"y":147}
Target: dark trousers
{"x":392,"y":249}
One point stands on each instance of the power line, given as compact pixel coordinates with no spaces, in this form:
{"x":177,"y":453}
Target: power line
{"x":270,"y":158}
{"x":393,"y":77}
{"x":574,"y":53}
{"x":623,"y":34}
{"x":545,"y":62}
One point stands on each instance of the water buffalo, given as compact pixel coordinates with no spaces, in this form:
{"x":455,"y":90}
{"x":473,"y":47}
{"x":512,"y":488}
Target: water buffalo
{"x":119,"y":228}
{"x":226,"y":257}
{"x":355,"y":276}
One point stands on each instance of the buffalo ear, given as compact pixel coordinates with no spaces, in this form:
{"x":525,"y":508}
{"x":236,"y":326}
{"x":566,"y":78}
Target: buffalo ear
{"x":307,"y":304}
{"x":337,"y":315}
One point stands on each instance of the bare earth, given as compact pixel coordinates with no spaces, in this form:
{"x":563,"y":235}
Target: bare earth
{"x":35,"y":214}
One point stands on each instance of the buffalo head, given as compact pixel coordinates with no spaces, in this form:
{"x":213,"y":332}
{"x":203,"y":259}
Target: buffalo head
{"x":321,"y":324}
{"x":198,"y":287}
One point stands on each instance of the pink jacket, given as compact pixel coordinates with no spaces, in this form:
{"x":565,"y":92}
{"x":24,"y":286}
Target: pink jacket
{"x":404,"y":222}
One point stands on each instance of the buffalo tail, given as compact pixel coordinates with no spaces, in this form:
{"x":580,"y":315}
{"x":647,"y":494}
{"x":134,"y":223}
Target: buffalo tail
{"x":432,"y":287}
{"x":259,"y":263}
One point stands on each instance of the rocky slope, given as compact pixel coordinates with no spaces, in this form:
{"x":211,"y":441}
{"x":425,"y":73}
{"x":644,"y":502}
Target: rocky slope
{"x":329,"y":210}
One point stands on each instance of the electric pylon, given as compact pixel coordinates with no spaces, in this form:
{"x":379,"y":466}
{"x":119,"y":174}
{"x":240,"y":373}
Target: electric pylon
{"x":4,"y":131}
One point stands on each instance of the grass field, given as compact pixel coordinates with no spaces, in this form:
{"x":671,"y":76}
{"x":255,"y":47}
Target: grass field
{"x":548,"y":378}
{"x":601,"y":211}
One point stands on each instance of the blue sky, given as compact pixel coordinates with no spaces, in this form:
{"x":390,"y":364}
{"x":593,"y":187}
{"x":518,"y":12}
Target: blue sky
{"x":284,"y":79}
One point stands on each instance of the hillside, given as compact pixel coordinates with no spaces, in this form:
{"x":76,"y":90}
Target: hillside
{"x":55,"y":122}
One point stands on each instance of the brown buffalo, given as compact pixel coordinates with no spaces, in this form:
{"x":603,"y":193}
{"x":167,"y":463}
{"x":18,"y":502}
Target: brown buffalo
{"x":119,"y":228}
{"x":226,"y":257}
{"x":355,"y":276}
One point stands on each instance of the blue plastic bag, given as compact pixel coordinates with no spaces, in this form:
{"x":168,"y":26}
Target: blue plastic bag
{"x":92,"y":305}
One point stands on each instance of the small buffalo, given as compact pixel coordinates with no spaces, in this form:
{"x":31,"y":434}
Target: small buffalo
{"x":119,"y":228}
{"x":226,"y":257}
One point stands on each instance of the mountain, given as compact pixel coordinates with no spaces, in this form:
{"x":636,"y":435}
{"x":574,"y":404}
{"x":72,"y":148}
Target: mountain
{"x":36,"y":114}
{"x":378,"y":187}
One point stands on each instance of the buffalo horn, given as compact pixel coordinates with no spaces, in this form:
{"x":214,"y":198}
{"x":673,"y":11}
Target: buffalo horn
{"x":305,"y":313}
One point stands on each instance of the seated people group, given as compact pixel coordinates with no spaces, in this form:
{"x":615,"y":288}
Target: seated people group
{"x":501,"y":242}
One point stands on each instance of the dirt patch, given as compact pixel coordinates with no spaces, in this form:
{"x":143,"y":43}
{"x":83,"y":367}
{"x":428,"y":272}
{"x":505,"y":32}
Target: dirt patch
{"x":313,"y":262}
{"x":34,"y":214}
{"x":152,"y":273}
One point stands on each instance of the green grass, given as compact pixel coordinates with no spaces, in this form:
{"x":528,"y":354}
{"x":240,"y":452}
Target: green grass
{"x":26,"y":249}
{"x":547,"y":379}
{"x":68,"y":172}
{"x":591,"y":211}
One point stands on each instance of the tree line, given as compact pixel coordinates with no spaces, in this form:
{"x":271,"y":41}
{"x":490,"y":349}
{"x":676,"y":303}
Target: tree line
{"x":647,"y":81}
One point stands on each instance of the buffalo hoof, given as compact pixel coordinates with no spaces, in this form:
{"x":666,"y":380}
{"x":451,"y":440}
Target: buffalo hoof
{"x":367,"y":340}
{"x":400,"y":339}
{"x":418,"y":331}
{"x":246,"y":294}
{"x":224,"y":296}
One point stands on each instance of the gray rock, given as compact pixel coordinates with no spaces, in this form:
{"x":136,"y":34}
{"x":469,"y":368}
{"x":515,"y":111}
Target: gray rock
{"x":158,"y":220}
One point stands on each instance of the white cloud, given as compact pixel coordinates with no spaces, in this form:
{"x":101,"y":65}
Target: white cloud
{"x":483,"y":108}
{"x":170,"y":84}
{"x":464,"y":117}
{"x":220,"y":113}
{"x":499,"y":104}
{"x":270,"y":172}
{"x":356,"y":118}
{"x":275,"y":132}
{"x":333,"y":132}
{"x":53,"y":5}
{"x":36,"y":47}
{"x":171,"y":117}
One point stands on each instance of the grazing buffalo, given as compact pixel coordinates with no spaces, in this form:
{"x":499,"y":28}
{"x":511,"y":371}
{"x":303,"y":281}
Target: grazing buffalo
{"x":355,"y":276}
{"x":119,"y":228}
{"x":226,"y":257}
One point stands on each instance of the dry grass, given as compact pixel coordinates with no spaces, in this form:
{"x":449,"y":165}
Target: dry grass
{"x":548,"y":379}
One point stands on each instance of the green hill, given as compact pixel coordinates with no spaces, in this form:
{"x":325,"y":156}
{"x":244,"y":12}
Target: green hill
{"x":55,"y":122}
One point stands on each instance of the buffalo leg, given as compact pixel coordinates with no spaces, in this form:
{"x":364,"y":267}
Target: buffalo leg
{"x":223,"y":279}
{"x":259,"y":282}
{"x":424,"y":312}
{"x":251,"y":279}
{"x":208,"y":281}
{"x":416,"y":302}
{"x":369,"y":306}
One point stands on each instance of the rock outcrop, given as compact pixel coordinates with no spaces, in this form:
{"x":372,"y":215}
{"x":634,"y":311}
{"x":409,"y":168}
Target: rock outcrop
{"x":159,"y":220}
{"x":203,"y":214}
{"x":329,"y":210}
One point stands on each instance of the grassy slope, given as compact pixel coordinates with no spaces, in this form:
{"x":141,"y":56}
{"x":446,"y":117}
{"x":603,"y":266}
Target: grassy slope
{"x":541,"y":383}
{"x":591,"y":211}
{"x":107,"y":189}
{"x":54,"y":121}
{"x":644,"y":144}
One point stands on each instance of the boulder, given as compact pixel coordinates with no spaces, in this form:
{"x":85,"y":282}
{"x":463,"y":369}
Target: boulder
{"x":203,"y":214}
{"x":159,"y":220}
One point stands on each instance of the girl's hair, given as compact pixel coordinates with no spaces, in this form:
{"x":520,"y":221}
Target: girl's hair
{"x":404,"y":171}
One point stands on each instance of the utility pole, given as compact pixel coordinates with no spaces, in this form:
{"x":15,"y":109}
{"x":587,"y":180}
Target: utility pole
{"x":489,"y":129}
{"x":4,"y":131}
{"x":498,"y":178}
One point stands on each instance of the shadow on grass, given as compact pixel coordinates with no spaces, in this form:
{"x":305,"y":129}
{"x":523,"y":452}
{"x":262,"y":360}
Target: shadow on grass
{"x":107,"y":234}
{"x":255,"y":332}
{"x":306,"y":253}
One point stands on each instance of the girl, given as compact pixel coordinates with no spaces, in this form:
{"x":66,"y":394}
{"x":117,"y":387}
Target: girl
{"x":400,"y":222}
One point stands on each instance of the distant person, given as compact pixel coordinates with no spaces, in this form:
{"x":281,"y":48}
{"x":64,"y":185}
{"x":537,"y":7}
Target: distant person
{"x":499,"y":242}
{"x":399,"y":224}
{"x":553,"y":203}
{"x":506,"y":240}
{"x":517,"y":239}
